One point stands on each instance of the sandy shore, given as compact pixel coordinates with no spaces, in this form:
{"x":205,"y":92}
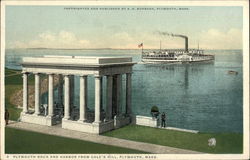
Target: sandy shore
{"x":17,"y":98}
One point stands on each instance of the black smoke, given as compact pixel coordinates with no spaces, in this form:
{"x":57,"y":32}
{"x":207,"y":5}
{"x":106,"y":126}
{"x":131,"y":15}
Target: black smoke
{"x":175,"y":35}
{"x":170,"y":34}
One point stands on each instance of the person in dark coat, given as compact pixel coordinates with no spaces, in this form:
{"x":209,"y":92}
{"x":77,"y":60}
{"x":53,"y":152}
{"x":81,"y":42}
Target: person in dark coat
{"x":163,"y":120}
{"x":6,"y":116}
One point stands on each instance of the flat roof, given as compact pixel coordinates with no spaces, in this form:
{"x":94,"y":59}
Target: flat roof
{"x":77,"y":60}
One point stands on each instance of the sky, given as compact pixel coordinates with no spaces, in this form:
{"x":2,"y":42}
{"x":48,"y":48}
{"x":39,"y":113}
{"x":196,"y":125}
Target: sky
{"x":212,"y":27}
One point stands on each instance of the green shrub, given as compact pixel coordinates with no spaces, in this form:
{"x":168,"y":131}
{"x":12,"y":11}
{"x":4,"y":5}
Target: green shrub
{"x":154,"y":109}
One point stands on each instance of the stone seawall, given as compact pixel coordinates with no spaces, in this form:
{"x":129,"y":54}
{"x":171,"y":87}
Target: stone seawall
{"x":153,"y":122}
{"x":17,"y":98}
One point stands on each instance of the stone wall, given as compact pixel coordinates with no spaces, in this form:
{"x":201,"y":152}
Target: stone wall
{"x":144,"y":121}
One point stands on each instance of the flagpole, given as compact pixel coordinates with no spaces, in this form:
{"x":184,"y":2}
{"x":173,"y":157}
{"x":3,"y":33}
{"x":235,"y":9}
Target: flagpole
{"x":141,"y":45}
{"x":142,"y":48}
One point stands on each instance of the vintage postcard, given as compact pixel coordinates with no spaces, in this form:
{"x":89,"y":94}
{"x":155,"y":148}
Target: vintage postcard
{"x":124,"y":80}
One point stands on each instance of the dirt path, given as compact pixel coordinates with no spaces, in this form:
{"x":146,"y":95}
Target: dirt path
{"x":9,"y":75}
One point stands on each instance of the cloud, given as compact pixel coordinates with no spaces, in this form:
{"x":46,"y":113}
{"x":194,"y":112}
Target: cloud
{"x":216,"y":39}
{"x":131,"y":40}
{"x":62,"y":39}
{"x":17,"y":44}
{"x":47,"y":36}
{"x":122,"y":39}
{"x":210,"y":39}
{"x":119,"y":40}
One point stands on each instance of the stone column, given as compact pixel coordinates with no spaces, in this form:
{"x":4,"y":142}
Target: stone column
{"x":114,"y":96}
{"x":109,"y":97}
{"x":72,"y":90}
{"x":101,"y":78}
{"x":119,"y":94}
{"x":37,"y":93}
{"x":51,"y":95}
{"x":25,"y":92}
{"x":128,"y":93}
{"x":66,"y":97}
{"x":98,"y":95}
{"x":71,"y":95}
{"x":83,"y":98}
{"x":60,"y":90}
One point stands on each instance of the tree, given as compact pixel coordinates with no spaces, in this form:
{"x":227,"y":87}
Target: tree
{"x":155,"y":111}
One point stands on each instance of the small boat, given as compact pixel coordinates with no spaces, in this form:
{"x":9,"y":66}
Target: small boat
{"x":232,"y":72}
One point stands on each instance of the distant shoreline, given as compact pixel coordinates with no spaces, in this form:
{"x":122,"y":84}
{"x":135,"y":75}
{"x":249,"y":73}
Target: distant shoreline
{"x":84,"y":48}
{"x":118,"y":49}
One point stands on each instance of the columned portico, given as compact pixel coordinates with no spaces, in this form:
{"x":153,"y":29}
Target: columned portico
{"x":92,"y":119}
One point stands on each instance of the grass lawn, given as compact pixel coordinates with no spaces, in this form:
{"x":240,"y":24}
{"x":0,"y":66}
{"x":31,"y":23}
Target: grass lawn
{"x":225,"y":142}
{"x":10,"y":71}
{"x":13,"y":83}
{"x":20,"y":141}
{"x":14,"y":112}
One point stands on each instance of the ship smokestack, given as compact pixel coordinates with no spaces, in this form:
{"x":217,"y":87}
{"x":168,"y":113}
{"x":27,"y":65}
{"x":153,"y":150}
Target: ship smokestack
{"x":186,"y":44}
{"x":186,"y":40}
{"x":176,"y":35}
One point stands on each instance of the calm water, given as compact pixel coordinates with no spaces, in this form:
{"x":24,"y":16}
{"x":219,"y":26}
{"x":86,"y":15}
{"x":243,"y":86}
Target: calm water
{"x":194,"y":96}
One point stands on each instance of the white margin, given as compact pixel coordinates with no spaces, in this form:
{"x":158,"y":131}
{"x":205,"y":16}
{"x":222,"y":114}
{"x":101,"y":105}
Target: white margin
{"x":2,"y":87}
{"x":243,"y":3}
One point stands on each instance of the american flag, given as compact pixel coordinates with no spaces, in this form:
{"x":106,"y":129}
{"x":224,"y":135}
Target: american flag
{"x":140,"y":45}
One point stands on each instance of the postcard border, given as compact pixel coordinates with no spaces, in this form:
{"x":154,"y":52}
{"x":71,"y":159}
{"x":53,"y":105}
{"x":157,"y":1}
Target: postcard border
{"x":244,"y":4}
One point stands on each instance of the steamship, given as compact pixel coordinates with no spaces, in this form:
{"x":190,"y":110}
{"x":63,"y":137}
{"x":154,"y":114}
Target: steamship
{"x":175,"y":55}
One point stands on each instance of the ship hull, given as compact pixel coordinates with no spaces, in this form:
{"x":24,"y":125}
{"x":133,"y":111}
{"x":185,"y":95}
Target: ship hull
{"x":165,"y":61}
{"x":176,"y":56}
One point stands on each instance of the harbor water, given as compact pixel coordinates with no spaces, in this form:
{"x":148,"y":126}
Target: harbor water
{"x":198,"y":96}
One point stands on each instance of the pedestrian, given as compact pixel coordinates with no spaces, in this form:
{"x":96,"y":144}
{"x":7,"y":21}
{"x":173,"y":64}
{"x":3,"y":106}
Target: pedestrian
{"x":6,"y":117}
{"x":163,"y":120}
